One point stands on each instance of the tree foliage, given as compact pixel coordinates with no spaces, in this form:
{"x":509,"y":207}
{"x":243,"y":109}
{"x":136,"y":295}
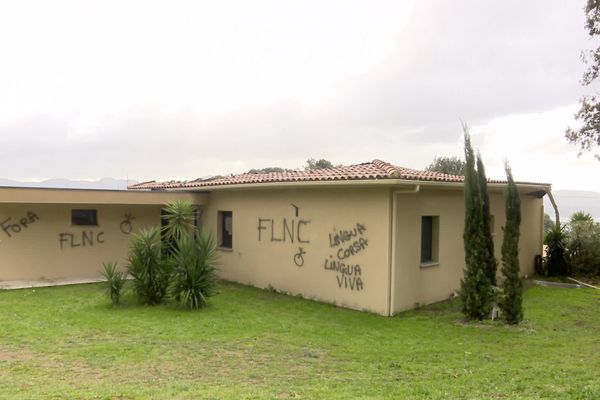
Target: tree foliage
{"x":269,"y":170}
{"x":587,"y":136}
{"x":147,"y":267}
{"x":556,"y":263}
{"x":548,"y":223}
{"x":583,"y":244}
{"x":491,"y":266}
{"x":115,"y":280}
{"x":178,"y":259}
{"x":194,"y":275}
{"x":476,"y":286}
{"x":312,"y":164}
{"x":512,"y":302}
{"x":447,"y":165}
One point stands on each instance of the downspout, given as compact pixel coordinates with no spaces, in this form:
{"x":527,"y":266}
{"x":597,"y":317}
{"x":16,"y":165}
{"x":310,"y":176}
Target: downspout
{"x":551,"y":198}
{"x":392,"y":260}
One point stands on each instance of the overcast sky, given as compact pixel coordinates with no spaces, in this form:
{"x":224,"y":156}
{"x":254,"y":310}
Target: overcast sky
{"x":186,"y":89}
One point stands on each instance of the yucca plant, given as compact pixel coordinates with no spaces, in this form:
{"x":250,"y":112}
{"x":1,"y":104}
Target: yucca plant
{"x":556,"y":255}
{"x":150,"y":272}
{"x":115,"y":279}
{"x":194,"y":279}
{"x":179,"y":219}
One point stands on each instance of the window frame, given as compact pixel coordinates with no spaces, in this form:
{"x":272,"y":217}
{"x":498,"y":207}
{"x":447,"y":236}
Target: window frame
{"x":429,"y":241}
{"x":223,"y":243}
{"x":80,"y":220}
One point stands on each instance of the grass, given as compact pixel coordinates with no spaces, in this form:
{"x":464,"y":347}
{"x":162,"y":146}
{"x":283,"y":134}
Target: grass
{"x":69,"y":342}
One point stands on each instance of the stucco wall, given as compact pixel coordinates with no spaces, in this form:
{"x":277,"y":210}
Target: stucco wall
{"x":287,"y":239}
{"x":416,"y":284}
{"x":37,"y":240}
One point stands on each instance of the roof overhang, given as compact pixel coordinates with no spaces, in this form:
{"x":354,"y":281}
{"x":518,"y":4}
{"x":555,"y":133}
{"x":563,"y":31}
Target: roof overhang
{"x":19,"y":195}
{"x":524,"y":188}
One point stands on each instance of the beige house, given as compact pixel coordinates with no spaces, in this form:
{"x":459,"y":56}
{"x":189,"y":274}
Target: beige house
{"x":371,"y":236}
{"x":69,"y":233}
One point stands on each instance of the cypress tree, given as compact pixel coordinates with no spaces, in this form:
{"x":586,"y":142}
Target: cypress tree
{"x":491,"y":265}
{"x":512,"y":303}
{"x":476,"y":288}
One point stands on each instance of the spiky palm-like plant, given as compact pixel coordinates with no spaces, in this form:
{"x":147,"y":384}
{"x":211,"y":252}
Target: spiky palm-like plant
{"x":115,"y":279}
{"x":556,"y":254}
{"x":194,"y":279}
{"x":147,"y":267}
{"x":179,"y":218}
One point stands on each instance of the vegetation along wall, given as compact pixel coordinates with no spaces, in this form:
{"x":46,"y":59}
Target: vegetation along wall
{"x":45,"y":241}
{"x":425,"y":278}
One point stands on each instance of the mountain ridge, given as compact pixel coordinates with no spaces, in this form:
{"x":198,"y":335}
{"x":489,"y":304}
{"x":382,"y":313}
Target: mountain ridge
{"x":61,"y":183}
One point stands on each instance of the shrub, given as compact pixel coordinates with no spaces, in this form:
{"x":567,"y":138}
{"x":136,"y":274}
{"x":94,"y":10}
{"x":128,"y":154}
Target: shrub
{"x":194,"y":279}
{"x":556,"y":263}
{"x":179,"y":219}
{"x":583,"y":244}
{"x":115,"y":280}
{"x":147,"y":267}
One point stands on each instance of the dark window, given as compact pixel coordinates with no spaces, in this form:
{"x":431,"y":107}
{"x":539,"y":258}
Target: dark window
{"x":84,"y":217}
{"x":226,"y":229}
{"x":429,"y":239}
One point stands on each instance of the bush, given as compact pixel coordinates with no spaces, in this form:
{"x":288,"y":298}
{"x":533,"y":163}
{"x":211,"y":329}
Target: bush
{"x":179,"y":219}
{"x":115,"y":280}
{"x":194,"y":278}
{"x":149,"y":270}
{"x":583,"y":244}
{"x":556,"y":263}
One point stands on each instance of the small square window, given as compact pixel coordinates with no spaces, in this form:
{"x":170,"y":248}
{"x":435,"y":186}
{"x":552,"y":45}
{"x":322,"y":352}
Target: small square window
{"x":429,"y":240}
{"x":225,"y":229}
{"x":84,"y":217}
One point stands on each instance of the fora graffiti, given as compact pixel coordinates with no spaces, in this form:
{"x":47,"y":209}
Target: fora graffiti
{"x":346,"y":243}
{"x":12,"y":227}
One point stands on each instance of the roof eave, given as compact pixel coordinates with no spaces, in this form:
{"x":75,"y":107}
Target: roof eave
{"x":389,"y":182}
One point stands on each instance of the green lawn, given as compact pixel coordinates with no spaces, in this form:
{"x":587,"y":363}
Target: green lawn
{"x":69,"y":342}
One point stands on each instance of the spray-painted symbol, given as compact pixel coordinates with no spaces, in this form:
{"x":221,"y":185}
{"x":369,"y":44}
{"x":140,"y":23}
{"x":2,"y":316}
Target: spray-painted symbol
{"x":299,"y":257}
{"x":126,"y":226}
{"x":296,"y":209}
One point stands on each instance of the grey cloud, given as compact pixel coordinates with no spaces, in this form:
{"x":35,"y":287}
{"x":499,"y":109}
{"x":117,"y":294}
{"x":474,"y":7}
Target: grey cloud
{"x":467,"y":59}
{"x":472,"y":60}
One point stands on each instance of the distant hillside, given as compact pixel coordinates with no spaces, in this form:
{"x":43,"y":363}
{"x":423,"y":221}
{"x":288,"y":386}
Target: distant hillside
{"x":104,"y":183}
{"x":570,"y":201}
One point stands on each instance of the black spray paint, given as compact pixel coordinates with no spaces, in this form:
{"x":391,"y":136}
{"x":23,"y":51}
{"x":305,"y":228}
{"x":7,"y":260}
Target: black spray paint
{"x":10,"y":227}
{"x":85,"y":239}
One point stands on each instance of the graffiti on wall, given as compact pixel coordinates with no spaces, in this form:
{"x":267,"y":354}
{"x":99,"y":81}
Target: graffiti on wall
{"x":283,"y":230}
{"x":286,"y":230}
{"x":83,"y":239}
{"x":345,"y":244}
{"x":126,"y":226}
{"x":299,"y":257}
{"x":12,"y":227}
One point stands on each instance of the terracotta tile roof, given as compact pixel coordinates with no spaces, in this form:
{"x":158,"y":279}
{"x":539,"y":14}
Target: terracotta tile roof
{"x":374,"y":170}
